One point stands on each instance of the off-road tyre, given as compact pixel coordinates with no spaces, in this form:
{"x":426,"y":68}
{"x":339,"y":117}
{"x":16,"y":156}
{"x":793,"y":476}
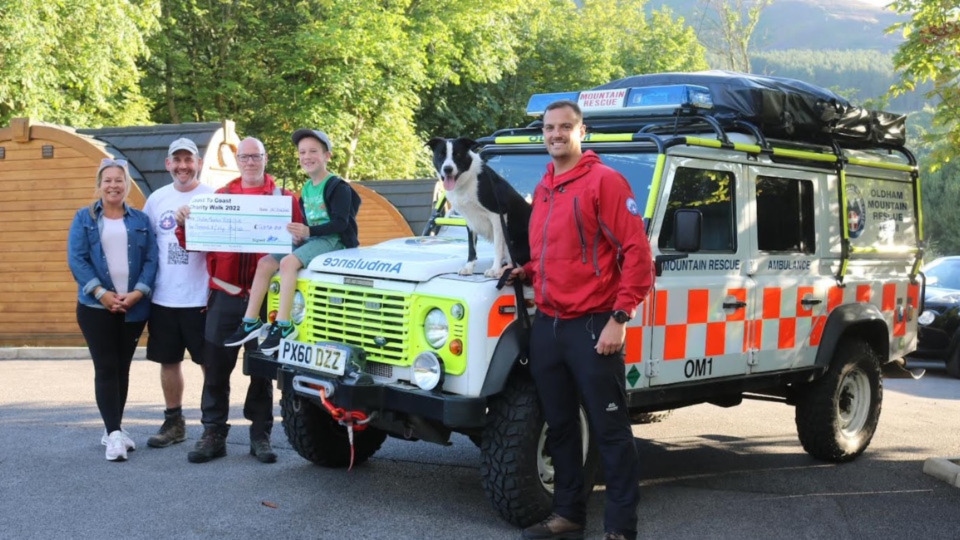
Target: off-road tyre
{"x":510,"y":454}
{"x":837,"y":414}
{"x":318,"y":438}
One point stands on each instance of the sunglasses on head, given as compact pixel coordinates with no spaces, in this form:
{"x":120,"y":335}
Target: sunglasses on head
{"x":110,"y":162}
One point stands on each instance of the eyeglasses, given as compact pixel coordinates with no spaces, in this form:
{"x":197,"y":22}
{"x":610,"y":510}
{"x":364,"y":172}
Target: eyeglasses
{"x":243,"y":158}
{"x":110,"y":162}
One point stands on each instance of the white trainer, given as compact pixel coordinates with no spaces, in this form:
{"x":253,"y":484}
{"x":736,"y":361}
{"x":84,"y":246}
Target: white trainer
{"x":116,"y":449}
{"x":127,"y":441}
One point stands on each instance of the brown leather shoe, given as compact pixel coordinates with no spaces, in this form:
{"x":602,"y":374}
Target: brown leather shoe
{"x":555,"y":527}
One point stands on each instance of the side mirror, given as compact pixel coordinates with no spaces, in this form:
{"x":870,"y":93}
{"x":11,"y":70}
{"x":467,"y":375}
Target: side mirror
{"x":687,"y":233}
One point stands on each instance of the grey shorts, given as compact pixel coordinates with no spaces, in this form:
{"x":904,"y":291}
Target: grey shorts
{"x":317,"y":245}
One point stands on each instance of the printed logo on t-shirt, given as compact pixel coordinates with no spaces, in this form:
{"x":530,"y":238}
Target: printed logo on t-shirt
{"x":167,"y":220}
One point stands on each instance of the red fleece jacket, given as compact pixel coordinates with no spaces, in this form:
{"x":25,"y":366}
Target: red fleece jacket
{"x":588,"y":245}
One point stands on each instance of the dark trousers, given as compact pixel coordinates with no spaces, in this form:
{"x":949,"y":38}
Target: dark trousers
{"x":224,"y":313}
{"x":565,"y":366}
{"x":112,"y":342}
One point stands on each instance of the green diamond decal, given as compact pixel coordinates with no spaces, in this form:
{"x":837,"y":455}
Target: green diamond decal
{"x":633,"y":376}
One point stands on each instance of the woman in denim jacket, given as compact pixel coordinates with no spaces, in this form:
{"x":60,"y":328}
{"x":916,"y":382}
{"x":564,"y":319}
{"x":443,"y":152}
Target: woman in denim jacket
{"x":113,"y":256}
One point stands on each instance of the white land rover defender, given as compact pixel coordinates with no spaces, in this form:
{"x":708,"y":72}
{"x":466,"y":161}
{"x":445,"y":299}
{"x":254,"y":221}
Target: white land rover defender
{"x":785,"y":224}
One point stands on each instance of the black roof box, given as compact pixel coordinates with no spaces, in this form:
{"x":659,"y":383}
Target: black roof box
{"x":785,"y":108}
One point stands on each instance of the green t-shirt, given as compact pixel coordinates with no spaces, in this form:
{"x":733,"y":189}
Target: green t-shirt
{"x":313,"y":203}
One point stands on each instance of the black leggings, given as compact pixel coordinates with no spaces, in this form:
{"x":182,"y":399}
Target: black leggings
{"x":112,"y":342}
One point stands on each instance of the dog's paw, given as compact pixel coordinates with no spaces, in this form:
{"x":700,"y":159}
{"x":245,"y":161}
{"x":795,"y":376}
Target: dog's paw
{"x":467,"y":269}
{"x":494,"y":272}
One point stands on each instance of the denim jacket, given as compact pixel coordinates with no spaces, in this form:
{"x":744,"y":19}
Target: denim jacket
{"x":89,"y":263}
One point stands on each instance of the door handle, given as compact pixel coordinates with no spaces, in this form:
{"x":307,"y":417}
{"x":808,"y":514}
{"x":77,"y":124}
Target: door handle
{"x":811,"y":302}
{"x":734,"y":305}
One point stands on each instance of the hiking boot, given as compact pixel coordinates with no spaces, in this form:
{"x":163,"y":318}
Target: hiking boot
{"x":277,"y":332}
{"x":246,"y":332}
{"x":555,"y":527}
{"x":173,"y":431}
{"x":116,"y":449}
{"x":212,"y":445}
{"x":260,"y":448}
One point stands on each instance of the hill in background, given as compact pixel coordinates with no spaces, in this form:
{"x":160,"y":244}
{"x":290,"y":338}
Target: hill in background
{"x":806,"y":24}
{"x":841,"y":45}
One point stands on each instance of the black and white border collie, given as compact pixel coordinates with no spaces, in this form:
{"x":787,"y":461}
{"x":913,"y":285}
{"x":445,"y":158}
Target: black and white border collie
{"x":480,"y":195}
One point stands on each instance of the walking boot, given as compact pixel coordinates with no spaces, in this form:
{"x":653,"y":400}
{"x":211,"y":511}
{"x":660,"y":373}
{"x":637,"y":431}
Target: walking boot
{"x":260,"y":449}
{"x":260,"y":443}
{"x":173,"y":431}
{"x":554,"y":527}
{"x":212,"y":445}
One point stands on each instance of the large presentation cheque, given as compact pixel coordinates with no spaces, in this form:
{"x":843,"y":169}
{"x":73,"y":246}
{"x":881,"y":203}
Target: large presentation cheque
{"x":239,"y":223}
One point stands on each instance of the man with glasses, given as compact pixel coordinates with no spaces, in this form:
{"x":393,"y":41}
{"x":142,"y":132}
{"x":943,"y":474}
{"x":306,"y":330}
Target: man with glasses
{"x":231,"y":275}
{"x":180,"y":295}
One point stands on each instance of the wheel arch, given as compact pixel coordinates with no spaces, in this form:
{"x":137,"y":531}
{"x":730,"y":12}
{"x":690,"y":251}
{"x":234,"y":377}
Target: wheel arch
{"x":505,"y":360}
{"x":863,"y":321}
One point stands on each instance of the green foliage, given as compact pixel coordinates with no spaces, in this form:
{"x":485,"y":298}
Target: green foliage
{"x":931,"y":53}
{"x":603,"y":41}
{"x":74,"y":61}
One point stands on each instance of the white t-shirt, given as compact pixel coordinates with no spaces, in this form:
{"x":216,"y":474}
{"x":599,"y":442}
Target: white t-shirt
{"x":182,"y":279}
{"x":113,"y":238}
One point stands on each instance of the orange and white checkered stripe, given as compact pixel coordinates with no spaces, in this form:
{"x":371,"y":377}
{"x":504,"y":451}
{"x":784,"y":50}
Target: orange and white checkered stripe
{"x":693,"y":323}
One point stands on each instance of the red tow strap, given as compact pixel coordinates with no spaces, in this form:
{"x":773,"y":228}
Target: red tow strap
{"x":352,"y":420}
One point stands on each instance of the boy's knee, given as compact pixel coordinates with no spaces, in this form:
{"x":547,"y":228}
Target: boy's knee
{"x":290,"y":262}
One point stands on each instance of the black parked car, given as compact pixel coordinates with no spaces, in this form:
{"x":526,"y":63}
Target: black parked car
{"x":938,"y":336}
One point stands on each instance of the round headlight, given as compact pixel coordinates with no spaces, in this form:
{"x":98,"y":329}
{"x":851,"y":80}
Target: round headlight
{"x":457,"y":311}
{"x":299,"y":308}
{"x":275,"y":287}
{"x":926,"y":317}
{"x":427,"y":371}
{"x":436,"y":328}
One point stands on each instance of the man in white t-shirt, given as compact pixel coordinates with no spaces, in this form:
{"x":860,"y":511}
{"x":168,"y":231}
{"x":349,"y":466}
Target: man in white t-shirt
{"x":178,"y":313}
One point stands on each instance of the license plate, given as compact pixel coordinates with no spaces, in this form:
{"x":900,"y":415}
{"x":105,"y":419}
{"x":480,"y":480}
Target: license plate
{"x":323,"y":357}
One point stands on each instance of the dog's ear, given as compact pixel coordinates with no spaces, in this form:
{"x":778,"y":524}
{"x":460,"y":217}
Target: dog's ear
{"x":467,"y":142}
{"x":435,"y":142}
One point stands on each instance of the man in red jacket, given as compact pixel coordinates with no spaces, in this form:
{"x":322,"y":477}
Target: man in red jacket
{"x":231,"y":275}
{"x":590,"y":267}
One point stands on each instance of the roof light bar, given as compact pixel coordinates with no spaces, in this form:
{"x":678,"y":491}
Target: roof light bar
{"x":624,"y":102}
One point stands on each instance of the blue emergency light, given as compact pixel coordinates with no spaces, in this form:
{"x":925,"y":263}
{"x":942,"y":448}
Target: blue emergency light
{"x":639,"y":101}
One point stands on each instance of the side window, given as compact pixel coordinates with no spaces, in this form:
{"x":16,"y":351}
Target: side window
{"x":712,"y":193}
{"x":785,"y":215}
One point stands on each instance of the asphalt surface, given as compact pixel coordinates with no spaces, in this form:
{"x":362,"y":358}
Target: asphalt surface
{"x":707,"y":473}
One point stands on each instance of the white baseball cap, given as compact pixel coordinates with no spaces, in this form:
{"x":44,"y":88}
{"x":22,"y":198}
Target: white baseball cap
{"x":183,"y":144}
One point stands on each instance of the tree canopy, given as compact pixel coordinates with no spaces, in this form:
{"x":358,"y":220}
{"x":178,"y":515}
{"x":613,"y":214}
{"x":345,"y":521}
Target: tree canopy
{"x":379,"y":77}
{"x":931,"y":53}
{"x":74,"y":62}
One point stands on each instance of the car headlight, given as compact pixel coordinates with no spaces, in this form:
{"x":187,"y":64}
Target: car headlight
{"x":427,"y":371}
{"x":436,"y":328}
{"x":298,"y":311}
{"x":927,"y":317}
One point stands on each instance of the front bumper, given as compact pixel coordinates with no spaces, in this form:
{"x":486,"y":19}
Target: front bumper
{"x":369,"y":396}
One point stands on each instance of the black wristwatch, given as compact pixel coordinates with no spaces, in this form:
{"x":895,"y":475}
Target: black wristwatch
{"x":621,"y":316}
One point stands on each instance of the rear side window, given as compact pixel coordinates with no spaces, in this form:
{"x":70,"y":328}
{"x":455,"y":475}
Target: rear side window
{"x":785,"y":215}
{"x":712,"y":194}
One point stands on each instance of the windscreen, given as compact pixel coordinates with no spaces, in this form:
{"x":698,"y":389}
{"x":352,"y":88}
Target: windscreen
{"x":524,"y":170}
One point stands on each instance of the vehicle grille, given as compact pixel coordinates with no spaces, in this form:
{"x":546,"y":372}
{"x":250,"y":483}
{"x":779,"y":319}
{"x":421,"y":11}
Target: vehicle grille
{"x":373,"y":320}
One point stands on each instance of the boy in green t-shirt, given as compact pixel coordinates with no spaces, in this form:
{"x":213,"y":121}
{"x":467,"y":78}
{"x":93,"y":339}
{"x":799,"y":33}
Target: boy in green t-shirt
{"x":330,"y":206}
